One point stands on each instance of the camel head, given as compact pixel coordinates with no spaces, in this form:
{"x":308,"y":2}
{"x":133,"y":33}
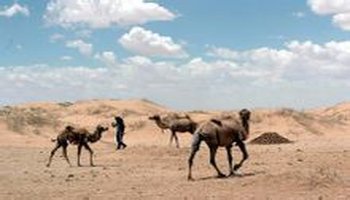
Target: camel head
{"x":154,"y":117}
{"x":244,"y":114}
{"x":96,"y":136}
{"x":101,"y":129}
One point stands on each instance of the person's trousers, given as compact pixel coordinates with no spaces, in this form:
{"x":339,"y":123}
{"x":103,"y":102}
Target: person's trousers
{"x":119,"y":139}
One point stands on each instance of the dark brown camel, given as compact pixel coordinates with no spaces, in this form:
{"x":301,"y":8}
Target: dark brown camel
{"x":222,"y":133}
{"x":176,"y":125}
{"x":80,"y":137}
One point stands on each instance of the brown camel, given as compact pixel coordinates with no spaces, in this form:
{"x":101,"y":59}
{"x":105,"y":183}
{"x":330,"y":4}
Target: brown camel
{"x":222,"y":133}
{"x":162,"y":125}
{"x":80,"y":137}
{"x":181,"y":125}
{"x":166,"y":119}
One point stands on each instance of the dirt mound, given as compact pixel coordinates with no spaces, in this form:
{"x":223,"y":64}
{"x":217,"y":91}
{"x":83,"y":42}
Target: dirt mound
{"x":270,"y":138}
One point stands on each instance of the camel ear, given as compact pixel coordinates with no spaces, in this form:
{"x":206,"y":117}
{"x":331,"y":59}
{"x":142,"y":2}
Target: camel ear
{"x":69,"y":128}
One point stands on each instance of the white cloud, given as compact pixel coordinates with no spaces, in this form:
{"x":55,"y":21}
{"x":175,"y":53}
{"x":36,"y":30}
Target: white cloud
{"x":224,"y":53}
{"x":342,"y":20}
{"x":83,"y":33}
{"x":56,"y":37}
{"x":299,"y":74}
{"x":339,"y":9}
{"x":104,"y":13}
{"x":13,"y":10}
{"x":83,"y":47}
{"x":147,"y":43}
{"x":314,"y":61}
{"x":66,"y":58}
{"x":42,"y":82}
{"x":299,"y":14}
{"x":329,"y":6}
{"x":297,"y":61}
{"x":107,"y":57}
{"x":19,"y":47}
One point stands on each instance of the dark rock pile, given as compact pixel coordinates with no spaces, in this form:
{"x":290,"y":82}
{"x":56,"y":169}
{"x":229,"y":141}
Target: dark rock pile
{"x":270,"y":138}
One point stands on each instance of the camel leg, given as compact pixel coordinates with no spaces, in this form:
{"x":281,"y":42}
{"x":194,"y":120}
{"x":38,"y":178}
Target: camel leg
{"x":65,"y":154}
{"x":213,"y":150}
{"x":53,"y":153}
{"x":79,"y":153}
{"x":91,"y":153}
{"x":171,"y":138}
{"x":176,"y":140}
{"x":229,"y":158}
{"x":196,"y":141}
{"x":243,"y":149}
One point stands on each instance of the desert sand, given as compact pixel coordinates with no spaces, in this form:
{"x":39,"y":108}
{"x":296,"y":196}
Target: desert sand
{"x":316,"y":165}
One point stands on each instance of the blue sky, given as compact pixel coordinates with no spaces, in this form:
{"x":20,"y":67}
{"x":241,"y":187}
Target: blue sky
{"x":187,"y":55}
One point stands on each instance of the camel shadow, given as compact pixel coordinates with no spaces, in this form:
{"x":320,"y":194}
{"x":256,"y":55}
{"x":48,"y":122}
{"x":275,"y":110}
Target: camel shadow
{"x":103,"y":166}
{"x":243,"y":175}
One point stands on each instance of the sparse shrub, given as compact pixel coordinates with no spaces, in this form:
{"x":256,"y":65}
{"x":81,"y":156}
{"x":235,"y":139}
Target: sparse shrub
{"x":304,"y":119}
{"x":323,"y":177}
{"x":198,"y":112}
{"x":128,"y":112}
{"x":136,"y":125}
{"x":65,"y":104}
{"x":36,"y":132}
{"x":19,"y":119}
{"x":101,"y":109}
{"x":256,"y":119}
{"x":5,"y":110}
{"x":15,"y":122}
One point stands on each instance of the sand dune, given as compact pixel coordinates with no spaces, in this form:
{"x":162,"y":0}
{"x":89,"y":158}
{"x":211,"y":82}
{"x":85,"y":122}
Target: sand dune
{"x":314,"y":166}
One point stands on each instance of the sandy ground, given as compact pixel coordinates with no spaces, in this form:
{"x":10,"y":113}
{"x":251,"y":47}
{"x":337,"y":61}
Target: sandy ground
{"x":313,"y":167}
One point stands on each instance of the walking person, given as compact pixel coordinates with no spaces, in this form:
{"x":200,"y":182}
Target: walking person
{"x":120,"y":129}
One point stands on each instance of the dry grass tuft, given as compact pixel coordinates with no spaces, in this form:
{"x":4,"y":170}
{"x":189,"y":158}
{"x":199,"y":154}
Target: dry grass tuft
{"x":136,"y":125}
{"x":323,"y":177}
{"x":23,"y":119}
{"x":65,"y":104}
{"x":198,"y":112}
{"x":101,"y":109}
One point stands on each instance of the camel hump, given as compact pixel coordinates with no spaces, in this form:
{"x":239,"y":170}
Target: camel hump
{"x":216,"y":121}
{"x":187,"y":116}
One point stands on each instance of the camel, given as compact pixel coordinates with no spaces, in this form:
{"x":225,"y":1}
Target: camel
{"x":80,"y":137}
{"x":221,"y":133}
{"x":163,"y":124}
{"x":184,"y":124}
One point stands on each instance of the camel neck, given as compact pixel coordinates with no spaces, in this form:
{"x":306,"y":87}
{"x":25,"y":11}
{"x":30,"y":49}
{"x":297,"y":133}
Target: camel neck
{"x":95,"y":136}
{"x":159,"y":122}
{"x":245,"y":125}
